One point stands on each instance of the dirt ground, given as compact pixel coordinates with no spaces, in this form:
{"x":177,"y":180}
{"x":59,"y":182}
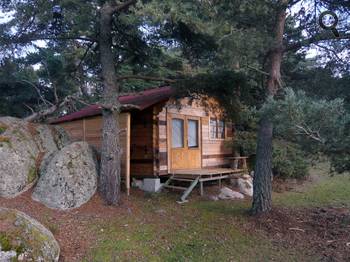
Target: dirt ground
{"x":321,"y":231}
{"x":72,"y":229}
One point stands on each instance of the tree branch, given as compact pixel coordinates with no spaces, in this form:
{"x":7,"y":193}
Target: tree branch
{"x":124,"y":5}
{"x":52,"y":82}
{"x":330,"y":51}
{"x":48,"y":111}
{"x":258,"y":70}
{"x":146,"y":78}
{"x":315,"y":135}
{"x":315,"y":39}
{"x":45,"y":101}
{"x":31,"y":38}
{"x":53,"y":109}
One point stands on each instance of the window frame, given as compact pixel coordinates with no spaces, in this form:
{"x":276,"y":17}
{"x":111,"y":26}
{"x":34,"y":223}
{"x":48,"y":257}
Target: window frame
{"x":217,"y":120}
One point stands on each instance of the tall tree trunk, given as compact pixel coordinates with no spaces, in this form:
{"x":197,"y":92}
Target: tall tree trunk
{"x":109,"y":184}
{"x":262,"y":200}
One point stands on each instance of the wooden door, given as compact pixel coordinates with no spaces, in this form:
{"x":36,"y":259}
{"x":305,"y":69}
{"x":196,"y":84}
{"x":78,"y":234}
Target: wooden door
{"x":185,"y":142}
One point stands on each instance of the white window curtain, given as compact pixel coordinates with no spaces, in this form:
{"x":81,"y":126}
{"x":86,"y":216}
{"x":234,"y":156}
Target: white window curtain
{"x":192,"y":133}
{"x":177,"y":133}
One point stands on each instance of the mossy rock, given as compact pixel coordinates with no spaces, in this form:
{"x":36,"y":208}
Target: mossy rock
{"x":3,"y":128}
{"x":68,"y":178}
{"x":23,"y":146}
{"x":27,"y":237}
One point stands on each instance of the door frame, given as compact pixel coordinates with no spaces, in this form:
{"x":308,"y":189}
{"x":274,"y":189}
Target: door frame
{"x":169,"y":118}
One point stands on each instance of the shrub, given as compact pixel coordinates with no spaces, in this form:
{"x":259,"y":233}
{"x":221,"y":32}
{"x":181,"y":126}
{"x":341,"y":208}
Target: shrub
{"x":289,"y":161}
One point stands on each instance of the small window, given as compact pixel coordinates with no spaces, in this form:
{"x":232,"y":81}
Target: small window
{"x":217,"y":129}
{"x":177,"y":133}
{"x":221,"y":129}
{"x":192,"y":133}
{"x":213,"y":128}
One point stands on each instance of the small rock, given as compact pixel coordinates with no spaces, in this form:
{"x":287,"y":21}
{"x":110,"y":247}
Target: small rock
{"x":227,"y":193}
{"x":245,"y":187}
{"x":22,"y":257}
{"x":137,"y":183}
{"x":7,"y":256}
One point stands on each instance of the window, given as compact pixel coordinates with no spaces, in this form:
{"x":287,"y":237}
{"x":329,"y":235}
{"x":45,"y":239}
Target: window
{"x":192,"y":133}
{"x":217,"y":129}
{"x":213,"y":128}
{"x":177,"y":133}
{"x":221,"y":129}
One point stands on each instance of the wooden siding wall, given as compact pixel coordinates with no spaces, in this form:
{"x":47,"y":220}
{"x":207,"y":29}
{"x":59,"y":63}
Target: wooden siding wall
{"x":141,"y":147}
{"x":149,"y":141}
{"x":161,"y":145}
{"x":214,"y":151}
{"x":90,"y":130}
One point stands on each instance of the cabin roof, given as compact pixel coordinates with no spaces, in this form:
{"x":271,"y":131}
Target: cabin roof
{"x":140,"y":100}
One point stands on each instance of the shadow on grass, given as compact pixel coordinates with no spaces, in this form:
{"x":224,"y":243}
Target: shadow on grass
{"x":227,"y":208}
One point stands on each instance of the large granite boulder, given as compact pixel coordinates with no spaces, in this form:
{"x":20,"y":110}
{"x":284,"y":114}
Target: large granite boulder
{"x":22,"y":147}
{"x":23,"y":238}
{"x":68,"y":178}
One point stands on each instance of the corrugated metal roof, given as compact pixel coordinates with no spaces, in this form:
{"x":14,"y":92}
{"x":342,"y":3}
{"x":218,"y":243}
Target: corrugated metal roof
{"x":141,"y":100}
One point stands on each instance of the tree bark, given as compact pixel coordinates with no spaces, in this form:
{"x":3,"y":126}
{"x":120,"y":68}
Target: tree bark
{"x":109,"y":184}
{"x":262,"y":200}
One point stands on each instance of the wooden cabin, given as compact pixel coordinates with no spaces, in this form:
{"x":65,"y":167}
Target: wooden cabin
{"x":160,"y":135}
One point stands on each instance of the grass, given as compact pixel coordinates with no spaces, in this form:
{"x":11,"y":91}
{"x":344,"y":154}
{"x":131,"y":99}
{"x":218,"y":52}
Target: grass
{"x":199,"y":231}
{"x":327,"y":190}
{"x":162,"y":230}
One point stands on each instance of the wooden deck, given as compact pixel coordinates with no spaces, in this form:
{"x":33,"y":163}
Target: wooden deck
{"x":206,"y":172}
{"x":199,"y":176}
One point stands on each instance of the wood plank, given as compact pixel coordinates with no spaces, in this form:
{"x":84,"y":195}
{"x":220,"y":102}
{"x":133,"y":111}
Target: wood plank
{"x":127,"y":154}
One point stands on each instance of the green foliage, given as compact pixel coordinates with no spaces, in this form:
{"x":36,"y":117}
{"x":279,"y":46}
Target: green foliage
{"x":289,"y":161}
{"x":5,"y":242}
{"x":318,"y":125}
{"x":228,"y":87}
{"x":68,"y":63}
{"x":317,"y":82}
{"x":32,"y":174}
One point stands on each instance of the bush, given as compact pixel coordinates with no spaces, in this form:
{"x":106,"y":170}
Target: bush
{"x":289,"y":161}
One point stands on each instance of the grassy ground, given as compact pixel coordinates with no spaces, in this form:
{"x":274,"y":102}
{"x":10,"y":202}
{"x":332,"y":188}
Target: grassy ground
{"x":324,"y":190}
{"x":159,"y":229}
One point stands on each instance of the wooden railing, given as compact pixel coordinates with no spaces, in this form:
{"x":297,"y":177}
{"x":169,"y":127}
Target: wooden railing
{"x":239,"y":162}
